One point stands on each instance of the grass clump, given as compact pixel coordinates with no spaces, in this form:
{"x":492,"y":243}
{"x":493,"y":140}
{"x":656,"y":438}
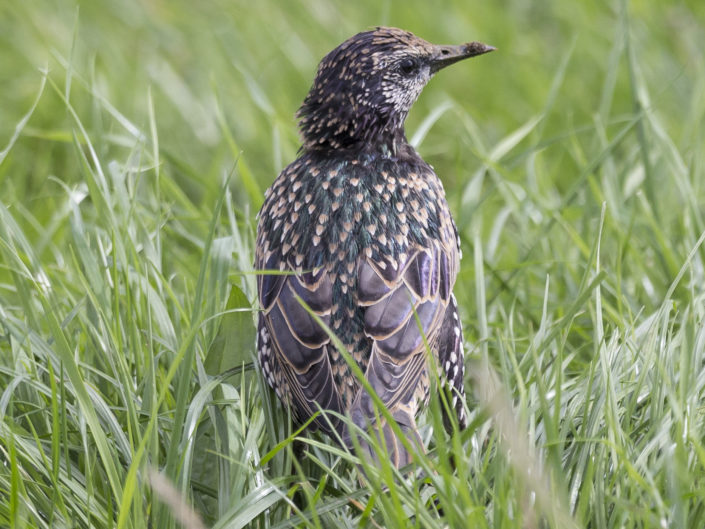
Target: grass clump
{"x":135,"y":144}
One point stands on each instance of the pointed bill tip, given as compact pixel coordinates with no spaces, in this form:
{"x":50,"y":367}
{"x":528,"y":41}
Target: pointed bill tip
{"x":446,"y":55}
{"x":478,"y":48}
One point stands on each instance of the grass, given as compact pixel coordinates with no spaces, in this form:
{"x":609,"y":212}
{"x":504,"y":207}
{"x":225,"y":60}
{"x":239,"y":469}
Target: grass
{"x":136,"y":140}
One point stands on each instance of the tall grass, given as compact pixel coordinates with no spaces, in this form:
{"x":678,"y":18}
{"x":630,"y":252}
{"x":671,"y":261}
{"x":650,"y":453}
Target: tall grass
{"x":136,"y":140}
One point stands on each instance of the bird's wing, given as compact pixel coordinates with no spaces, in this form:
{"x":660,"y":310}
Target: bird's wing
{"x":293,"y":348}
{"x":404,"y":308}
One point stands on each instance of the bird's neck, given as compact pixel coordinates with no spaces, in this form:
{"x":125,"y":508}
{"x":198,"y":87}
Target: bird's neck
{"x":381,"y":142}
{"x":371,"y":155}
{"x":348,"y":128}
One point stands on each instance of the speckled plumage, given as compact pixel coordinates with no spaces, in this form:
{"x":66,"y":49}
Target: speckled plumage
{"x":359,"y":229}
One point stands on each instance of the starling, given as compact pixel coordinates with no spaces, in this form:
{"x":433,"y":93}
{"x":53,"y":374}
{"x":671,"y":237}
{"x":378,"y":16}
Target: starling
{"x":358,"y":228}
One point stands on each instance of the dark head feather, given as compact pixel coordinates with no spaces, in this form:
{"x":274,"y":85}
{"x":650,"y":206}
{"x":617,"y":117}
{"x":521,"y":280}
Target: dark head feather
{"x":365,"y":87}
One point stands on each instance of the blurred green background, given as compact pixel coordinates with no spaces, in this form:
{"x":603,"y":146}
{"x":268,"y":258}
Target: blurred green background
{"x":256,"y":61}
{"x":226,"y":78}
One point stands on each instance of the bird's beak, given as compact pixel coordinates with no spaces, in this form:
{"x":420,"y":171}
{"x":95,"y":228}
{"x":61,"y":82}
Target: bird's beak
{"x":443,"y":56}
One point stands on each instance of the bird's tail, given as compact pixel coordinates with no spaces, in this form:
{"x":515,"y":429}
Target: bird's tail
{"x":385,"y":442}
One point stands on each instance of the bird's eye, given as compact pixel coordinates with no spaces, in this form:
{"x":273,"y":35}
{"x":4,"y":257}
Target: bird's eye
{"x":407,"y":66}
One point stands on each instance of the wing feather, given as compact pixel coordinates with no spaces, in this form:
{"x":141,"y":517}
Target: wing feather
{"x":297,"y":347}
{"x":402,"y":309}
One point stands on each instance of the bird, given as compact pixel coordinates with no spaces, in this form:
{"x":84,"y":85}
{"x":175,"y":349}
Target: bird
{"x":356,"y":234}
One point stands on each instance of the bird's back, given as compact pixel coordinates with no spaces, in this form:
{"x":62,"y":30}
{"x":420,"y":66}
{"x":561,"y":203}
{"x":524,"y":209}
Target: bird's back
{"x":365,"y":240}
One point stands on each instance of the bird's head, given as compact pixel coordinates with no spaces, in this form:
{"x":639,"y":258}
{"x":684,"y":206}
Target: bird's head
{"x":365,"y":87}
